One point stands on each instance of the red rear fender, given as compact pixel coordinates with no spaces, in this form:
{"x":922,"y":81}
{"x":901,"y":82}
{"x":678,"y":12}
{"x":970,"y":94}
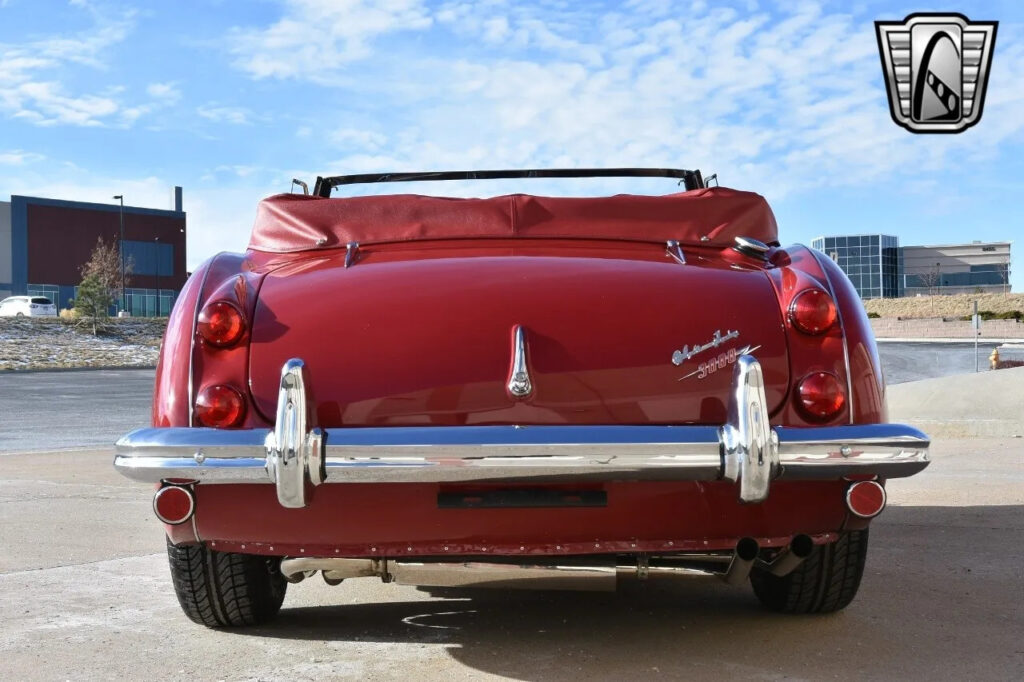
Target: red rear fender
{"x":187,"y":363}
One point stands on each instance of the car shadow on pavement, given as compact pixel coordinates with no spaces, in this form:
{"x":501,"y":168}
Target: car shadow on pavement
{"x":941,"y":589}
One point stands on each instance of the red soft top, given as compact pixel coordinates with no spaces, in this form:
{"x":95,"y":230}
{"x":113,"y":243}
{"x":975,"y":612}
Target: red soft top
{"x":714,"y":216}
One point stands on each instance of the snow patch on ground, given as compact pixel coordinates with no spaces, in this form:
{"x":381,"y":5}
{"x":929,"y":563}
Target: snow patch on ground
{"x":50,"y":343}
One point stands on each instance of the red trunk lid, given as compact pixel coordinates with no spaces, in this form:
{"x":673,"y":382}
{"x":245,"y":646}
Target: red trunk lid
{"x":421,"y":334}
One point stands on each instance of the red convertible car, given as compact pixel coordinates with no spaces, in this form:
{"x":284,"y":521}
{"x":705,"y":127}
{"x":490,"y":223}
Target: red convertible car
{"x":517,"y":391}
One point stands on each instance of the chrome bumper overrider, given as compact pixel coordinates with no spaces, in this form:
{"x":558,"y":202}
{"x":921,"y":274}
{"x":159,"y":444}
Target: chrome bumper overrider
{"x":296,"y":456}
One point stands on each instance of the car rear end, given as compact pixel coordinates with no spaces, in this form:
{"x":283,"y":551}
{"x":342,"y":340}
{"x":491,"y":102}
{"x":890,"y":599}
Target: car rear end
{"x":553,"y":412}
{"x":40,"y":306}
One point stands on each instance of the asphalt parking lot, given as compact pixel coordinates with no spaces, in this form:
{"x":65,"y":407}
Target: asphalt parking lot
{"x":73,"y":409}
{"x":85,"y":591}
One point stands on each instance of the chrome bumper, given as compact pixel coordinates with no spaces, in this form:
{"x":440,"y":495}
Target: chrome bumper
{"x":746,"y":450}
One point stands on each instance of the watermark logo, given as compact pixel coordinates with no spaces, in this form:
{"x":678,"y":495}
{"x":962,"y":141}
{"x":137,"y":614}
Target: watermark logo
{"x":936,"y":70}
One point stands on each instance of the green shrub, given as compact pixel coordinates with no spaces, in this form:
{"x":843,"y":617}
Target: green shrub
{"x":873,"y":315}
{"x":987,"y":315}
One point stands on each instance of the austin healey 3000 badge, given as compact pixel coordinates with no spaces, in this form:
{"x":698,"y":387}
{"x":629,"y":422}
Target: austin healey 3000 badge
{"x":936,"y":70}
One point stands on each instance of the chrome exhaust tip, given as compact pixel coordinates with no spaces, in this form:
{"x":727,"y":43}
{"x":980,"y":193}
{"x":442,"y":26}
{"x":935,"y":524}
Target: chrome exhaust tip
{"x":786,"y":561}
{"x":742,"y":562}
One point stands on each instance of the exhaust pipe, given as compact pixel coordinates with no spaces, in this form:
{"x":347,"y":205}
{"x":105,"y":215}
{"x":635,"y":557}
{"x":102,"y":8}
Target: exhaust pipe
{"x":743,"y":560}
{"x":590,"y":574}
{"x":788,"y":559}
{"x":295,"y":570}
{"x":589,"y":578}
{"x":594,"y":576}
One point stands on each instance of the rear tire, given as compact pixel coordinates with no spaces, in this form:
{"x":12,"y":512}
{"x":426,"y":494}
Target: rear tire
{"x":825,"y":582}
{"x":223,"y":589}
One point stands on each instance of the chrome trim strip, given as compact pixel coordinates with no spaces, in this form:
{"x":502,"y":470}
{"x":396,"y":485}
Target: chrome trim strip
{"x":746,"y":450}
{"x":839,"y":313}
{"x":192,"y":342}
{"x":519,"y":383}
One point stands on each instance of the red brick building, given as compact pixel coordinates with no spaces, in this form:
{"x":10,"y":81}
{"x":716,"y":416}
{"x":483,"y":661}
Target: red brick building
{"x":44,"y":242}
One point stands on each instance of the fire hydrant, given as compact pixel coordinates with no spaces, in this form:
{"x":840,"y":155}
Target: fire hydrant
{"x":993,"y":360}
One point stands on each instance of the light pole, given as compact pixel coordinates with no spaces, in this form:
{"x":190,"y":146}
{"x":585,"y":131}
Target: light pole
{"x":120,"y":250}
{"x":157,"y":240}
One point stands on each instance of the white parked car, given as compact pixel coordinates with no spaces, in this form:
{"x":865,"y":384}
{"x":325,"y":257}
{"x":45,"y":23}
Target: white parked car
{"x":27,"y":306}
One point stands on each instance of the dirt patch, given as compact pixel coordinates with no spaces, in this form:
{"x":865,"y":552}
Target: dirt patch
{"x":51,"y":343}
{"x":956,"y":305}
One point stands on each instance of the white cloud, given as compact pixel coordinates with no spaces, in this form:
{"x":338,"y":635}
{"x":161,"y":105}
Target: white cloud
{"x":17,"y":157}
{"x":777,"y":102}
{"x":45,"y":103}
{"x":315,"y":37}
{"x":224,"y":114}
{"x":351,"y":138}
{"x":165,"y":92}
{"x":29,"y":90}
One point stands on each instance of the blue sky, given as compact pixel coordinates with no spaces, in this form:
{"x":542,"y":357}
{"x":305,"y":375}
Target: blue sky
{"x":233,"y":99}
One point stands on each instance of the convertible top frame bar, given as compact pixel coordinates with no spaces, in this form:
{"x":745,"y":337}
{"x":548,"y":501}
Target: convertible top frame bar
{"x":691,"y":179}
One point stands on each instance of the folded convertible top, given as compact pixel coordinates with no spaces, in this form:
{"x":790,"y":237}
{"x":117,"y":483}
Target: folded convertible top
{"x":714,"y":216}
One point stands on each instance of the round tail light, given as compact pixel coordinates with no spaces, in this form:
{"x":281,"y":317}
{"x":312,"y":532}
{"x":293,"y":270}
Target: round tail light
{"x":220,"y":323}
{"x":820,"y":395}
{"x":173,"y":504}
{"x":812,"y":311}
{"x":220,"y":406}
{"x":865,"y":499}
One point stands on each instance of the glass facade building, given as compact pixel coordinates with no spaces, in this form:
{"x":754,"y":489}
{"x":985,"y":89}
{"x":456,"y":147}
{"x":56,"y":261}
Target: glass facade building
{"x":873,"y":262}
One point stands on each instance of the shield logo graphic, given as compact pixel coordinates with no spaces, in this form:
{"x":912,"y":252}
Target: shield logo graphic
{"x":936,"y":70}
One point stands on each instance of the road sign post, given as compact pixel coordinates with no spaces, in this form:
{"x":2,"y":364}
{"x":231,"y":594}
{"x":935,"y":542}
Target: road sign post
{"x":976,"y":325}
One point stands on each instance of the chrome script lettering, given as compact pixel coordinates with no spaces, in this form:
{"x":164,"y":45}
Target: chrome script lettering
{"x":681,"y":356}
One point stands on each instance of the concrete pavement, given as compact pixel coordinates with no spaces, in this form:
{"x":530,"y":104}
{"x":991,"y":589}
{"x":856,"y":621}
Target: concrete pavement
{"x":85,"y":593}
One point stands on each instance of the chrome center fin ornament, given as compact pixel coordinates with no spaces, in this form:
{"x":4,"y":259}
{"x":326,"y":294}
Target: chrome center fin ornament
{"x":351,"y":250}
{"x":519,"y":383}
{"x":672,"y":248}
{"x":295,"y":452}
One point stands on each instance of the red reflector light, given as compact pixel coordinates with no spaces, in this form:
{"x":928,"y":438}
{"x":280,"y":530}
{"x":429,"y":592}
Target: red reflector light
{"x":820,"y":395}
{"x":220,"y":323}
{"x":220,"y":406}
{"x":173,"y":504}
{"x":812,"y":311}
{"x":866,"y":499}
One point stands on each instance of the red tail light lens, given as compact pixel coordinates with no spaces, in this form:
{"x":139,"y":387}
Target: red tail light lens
{"x":220,"y":323}
{"x":866,"y":499}
{"x":220,"y":406}
{"x":812,"y":311}
{"x":173,"y":504}
{"x":820,"y":395}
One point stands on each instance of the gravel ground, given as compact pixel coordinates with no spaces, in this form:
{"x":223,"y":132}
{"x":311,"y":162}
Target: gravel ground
{"x":53,"y":344}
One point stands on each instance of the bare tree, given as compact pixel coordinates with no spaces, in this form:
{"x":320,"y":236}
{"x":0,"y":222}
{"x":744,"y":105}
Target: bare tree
{"x":930,"y":279}
{"x":101,"y":282}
